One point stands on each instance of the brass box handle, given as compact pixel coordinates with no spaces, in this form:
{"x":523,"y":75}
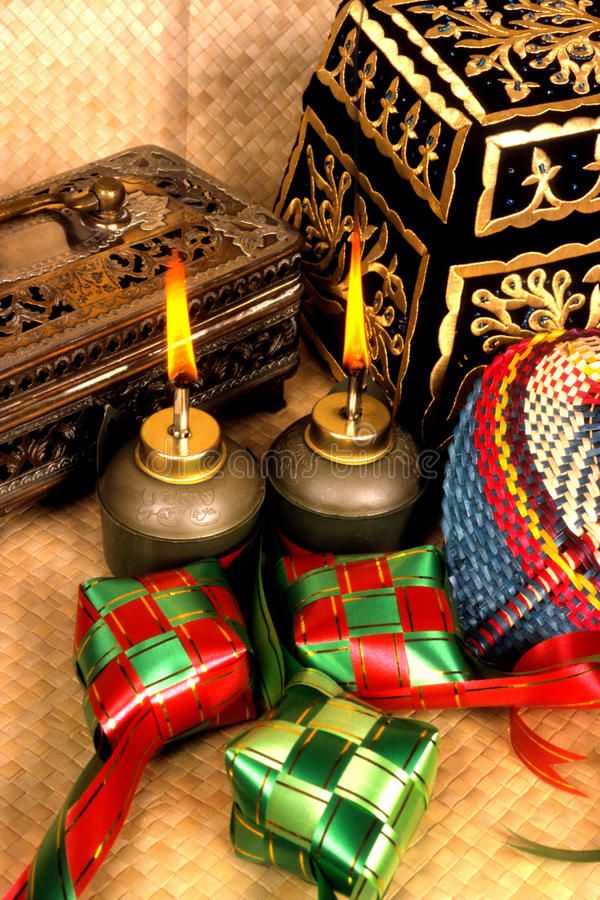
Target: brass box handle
{"x":101,"y":205}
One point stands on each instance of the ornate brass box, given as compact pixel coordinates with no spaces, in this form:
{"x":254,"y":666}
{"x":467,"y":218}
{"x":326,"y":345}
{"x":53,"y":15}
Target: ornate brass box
{"x":472,"y":132}
{"x":82,"y":262}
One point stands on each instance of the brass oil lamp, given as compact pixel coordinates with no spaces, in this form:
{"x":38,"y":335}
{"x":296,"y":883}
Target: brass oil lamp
{"x":345,"y":479}
{"x":180,"y":490}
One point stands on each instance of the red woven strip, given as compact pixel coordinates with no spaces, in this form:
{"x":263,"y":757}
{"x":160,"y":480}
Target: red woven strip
{"x":363,"y":575}
{"x":382,"y":658}
{"x":136,"y":621}
{"x":321,"y":622}
{"x":114,"y":696}
{"x":94,"y":821}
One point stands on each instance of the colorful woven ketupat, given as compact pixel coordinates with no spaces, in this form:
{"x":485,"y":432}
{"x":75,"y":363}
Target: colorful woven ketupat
{"x":330,"y":788}
{"x":161,"y":656}
{"x":381,"y":626}
{"x":522,"y":497}
{"x":385,"y":628}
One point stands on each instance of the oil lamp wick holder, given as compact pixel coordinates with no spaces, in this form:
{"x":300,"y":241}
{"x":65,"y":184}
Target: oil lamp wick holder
{"x":180,"y":444}
{"x":356,"y":432}
{"x":180,"y":429}
{"x":356,"y":386}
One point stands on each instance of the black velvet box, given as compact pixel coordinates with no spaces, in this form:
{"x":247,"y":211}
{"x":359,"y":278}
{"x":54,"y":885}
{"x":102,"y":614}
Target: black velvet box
{"x":471,"y":134}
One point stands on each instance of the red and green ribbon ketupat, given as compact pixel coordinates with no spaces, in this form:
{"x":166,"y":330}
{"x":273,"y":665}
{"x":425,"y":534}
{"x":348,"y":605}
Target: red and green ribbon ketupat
{"x":160,"y":657}
{"x":384,"y":628}
{"x":167,"y":655}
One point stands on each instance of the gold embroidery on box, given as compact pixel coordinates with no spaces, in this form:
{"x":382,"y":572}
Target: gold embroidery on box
{"x":546,"y":202}
{"x":458,"y":86}
{"x":325,"y":263}
{"x":551,"y":34}
{"x":548,"y":303}
{"x":550,"y":307}
{"x":352,"y":89}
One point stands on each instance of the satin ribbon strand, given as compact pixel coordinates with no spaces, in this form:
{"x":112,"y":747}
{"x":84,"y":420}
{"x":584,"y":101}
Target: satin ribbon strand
{"x":398,"y":646}
{"x":580,"y":856}
{"x":160,"y":657}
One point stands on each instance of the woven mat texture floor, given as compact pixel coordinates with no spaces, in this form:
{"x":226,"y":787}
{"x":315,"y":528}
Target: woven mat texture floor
{"x":175,"y":843}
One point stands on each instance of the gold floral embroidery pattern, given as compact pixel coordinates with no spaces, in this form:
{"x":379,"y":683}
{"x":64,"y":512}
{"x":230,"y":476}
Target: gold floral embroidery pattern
{"x":545,"y":200}
{"x":547,"y":307}
{"x":326,"y":259}
{"x":491,"y":304}
{"x":557,"y":35}
{"x":398,"y":134}
{"x":417,"y":175}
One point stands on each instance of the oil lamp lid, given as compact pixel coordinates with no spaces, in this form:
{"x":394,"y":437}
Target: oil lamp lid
{"x":182,"y":511}
{"x":317,"y":484}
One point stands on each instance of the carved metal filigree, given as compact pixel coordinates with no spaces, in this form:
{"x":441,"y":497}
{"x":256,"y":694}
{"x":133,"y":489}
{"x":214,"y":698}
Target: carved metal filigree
{"x":107,"y":277}
{"x":119,"y":340}
{"x":557,"y":35}
{"x":251,"y":230}
{"x":532,"y":305}
{"x":100,"y":287}
{"x":326,"y":257}
{"x":48,"y":446}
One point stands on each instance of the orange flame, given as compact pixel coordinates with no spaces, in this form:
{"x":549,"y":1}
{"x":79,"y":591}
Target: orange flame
{"x":181,"y":364}
{"x":356,"y":350}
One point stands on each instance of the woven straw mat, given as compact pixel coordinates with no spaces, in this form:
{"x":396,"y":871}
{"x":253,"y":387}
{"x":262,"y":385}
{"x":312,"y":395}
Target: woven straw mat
{"x":175,"y":843}
{"x":217,"y":81}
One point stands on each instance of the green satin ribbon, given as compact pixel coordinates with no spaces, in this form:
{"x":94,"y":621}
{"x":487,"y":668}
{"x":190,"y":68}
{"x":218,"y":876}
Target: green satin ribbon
{"x":330,"y":788}
{"x":546,"y":852}
{"x":273,"y":661}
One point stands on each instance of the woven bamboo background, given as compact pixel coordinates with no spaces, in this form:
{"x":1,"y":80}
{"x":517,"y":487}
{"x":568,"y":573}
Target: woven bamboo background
{"x":175,"y":843}
{"x":217,"y":81}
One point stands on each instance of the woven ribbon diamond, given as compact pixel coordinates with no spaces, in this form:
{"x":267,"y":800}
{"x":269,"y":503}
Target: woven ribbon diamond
{"x":380,"y":626}
{"x":330,"y":788}
{"x":161,"y":656}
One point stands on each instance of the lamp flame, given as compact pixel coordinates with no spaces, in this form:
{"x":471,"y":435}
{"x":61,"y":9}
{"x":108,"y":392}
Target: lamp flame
{"x":181,"y":364}
{"x":356,"y":356}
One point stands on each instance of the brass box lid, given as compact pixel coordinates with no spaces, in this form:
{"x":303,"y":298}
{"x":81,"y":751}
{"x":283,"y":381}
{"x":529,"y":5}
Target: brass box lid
{"x":82,"y":303}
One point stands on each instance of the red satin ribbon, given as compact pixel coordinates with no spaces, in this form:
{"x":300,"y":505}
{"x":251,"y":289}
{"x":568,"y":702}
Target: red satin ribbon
{"x":162,"y":656}
{"x":563,"y":671}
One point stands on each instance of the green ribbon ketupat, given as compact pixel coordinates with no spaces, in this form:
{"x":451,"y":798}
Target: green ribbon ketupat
{"x":330,"y":788}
